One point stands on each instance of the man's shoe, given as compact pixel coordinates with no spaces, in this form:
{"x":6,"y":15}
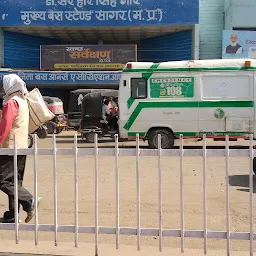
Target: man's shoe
{"x":30,"y":216}
{"x":31,"y":213}
{"x":5,"y":221}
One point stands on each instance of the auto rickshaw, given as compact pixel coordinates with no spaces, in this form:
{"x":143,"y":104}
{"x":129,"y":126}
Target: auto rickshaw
{"x":75,"y":104}
{"x":59,"y":122}
{"x":92,"y":121}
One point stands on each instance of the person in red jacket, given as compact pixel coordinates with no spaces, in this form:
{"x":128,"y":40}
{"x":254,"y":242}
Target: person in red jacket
{"x":113,"y":108}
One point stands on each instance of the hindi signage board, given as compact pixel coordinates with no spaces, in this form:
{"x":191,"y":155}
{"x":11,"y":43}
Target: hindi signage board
{"x":86,"y":57}
{"x":98,"y":12}
{"x":66,"y":78}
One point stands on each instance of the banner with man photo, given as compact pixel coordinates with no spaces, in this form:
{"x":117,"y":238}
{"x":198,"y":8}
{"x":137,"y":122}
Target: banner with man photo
{"x":238,"y":44}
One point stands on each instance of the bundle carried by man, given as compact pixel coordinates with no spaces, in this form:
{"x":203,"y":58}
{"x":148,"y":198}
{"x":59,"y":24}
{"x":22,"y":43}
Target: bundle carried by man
{"x":39,"y":113}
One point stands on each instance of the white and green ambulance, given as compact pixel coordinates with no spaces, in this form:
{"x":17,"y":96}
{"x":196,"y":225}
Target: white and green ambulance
{"x":212,"y":97}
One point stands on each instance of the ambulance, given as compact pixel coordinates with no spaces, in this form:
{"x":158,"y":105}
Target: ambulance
{"x":193,"y":98}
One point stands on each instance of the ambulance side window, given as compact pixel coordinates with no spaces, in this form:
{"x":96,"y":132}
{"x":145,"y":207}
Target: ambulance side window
{"x":139,"y":88}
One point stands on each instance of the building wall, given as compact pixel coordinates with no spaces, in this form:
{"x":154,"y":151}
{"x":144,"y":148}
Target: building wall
{"x":175,"y":46}
{"x":23,"y":51}
{"x":211,"y":22}
{"x":228,"y":15}
{"x":240,"y":13}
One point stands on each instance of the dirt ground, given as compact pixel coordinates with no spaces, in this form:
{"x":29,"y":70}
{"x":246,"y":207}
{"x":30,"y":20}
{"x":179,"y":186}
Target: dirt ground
{"x":238,"y":185}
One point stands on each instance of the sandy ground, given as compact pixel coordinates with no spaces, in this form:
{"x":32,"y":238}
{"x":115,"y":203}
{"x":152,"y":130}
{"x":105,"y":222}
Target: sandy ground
{"x":238,"y":185}
{"x":26,"y":248}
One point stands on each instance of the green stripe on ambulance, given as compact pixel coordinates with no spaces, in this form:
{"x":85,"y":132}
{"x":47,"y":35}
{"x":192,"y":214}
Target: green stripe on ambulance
{"x":187,"y":104}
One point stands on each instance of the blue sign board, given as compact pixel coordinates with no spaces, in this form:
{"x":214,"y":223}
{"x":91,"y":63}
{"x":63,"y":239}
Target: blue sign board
{"x":98,"y":12}
{"x":82,"y":78}
{"x":239,"y":44}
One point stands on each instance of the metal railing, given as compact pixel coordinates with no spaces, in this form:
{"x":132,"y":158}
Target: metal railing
{"x":138,"y":231}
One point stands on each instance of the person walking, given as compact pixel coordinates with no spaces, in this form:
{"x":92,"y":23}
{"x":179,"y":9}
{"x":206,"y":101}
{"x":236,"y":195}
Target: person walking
{"x":14,"y":123}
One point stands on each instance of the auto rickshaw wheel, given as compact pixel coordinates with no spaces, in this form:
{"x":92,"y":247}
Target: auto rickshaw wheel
{"x":90,"y":137}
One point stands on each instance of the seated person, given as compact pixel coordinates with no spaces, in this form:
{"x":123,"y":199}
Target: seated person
{"x":107,"y":115}
{"x":112,"y":106}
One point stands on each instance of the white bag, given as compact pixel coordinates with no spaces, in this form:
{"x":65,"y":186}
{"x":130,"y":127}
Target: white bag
{"x":39,"y":113}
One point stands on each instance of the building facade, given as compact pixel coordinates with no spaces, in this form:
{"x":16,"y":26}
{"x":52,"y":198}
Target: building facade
{"x":154,"y":39}
{"x":162,"y":30}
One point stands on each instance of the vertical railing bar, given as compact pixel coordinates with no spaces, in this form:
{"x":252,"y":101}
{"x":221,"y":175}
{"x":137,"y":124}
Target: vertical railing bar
{"x":16,"y":201}
{"x":204,"y":194}
{"x":182,"y":193}
{"x":160,"y":193}
{"x":138,"y":191}
{"x":251,"y":194}
{"x":76,"y":188}
{"x":35,"y":188}
{"x":227,"y":196}
{"x":55,"y":190}
{"x":96,"y":196}
{"x":117,"y":191}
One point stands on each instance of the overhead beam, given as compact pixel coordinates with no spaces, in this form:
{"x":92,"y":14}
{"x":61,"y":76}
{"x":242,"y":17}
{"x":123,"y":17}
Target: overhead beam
{"x":97,"y":34}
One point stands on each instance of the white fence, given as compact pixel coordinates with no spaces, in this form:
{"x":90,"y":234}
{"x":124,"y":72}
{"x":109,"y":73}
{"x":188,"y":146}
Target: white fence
{"x":138,"y":231}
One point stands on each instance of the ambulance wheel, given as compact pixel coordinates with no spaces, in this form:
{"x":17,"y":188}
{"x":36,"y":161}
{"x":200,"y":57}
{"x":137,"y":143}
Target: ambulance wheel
{"x":254,"y":165}
{"x":167,"y":138}
{"x":89,"y":137}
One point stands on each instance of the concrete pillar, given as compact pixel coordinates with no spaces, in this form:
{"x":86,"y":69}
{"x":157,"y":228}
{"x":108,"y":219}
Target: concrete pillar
{"x":1,"y":47}
{"x":195,"y":44}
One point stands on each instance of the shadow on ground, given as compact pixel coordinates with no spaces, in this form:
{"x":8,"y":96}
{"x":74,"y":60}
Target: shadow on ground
{"x":242,"y":181}
{"x":63,"y":136}
{"x":69,"y":141}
